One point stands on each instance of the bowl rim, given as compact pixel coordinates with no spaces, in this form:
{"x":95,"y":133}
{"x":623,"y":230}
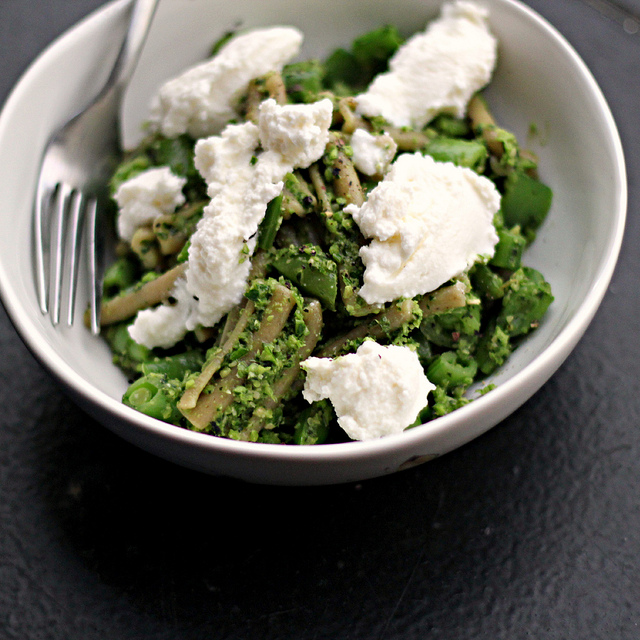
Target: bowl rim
{"x":535,"y":372}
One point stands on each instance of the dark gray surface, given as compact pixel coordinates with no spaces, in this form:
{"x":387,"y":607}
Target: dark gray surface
{"x":531,"y":531}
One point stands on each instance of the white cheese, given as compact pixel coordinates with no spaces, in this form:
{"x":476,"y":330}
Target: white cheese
{"x":146,"y":196}
{"x":164,"y":325}
{"x":372,"y":154}
{"x":241,"y":181}
{"x":435,"y":71}
{"x":376,"y":391}
{"x":298,"y":133}
{"x":205,"y":98}
{"x":429,"y":221}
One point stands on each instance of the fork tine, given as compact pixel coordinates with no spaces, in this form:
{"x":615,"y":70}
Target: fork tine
{"x":76,"y":208}
{"x":94,"y":258}
{"x":42,"y":239}
{"x":61,"y":199}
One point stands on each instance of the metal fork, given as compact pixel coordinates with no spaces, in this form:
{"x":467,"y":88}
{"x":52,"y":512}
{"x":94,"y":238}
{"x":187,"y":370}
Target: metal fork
{"x":72,"y":190}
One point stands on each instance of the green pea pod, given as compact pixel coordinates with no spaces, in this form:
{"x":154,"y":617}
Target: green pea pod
{"x":154,"y":396}
{"x":493,"y":349}
{"x":120,"y":275}
{"x":464,"y":153}
{"x":509,"y":250}
{"x":127,"y":353}
{"x":310,"y":269}
{"x":448,"y":328}
{"x":527,"y":298}
{"x":270,"y":223}
{"x":314,"y":423}
{"x":303,"y":80}
{"x":175,"y":367}
{"x":447,"y":371}
{"x":450,"y":126}
{"x":486,"y":282}
{"x":372,"y":50}
{"x":525,"y":202}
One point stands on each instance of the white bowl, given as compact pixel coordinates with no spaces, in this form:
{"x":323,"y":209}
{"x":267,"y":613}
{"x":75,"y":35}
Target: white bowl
{"x":539,"y":80}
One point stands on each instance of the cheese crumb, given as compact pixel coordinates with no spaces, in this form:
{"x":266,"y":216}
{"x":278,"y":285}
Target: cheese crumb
{"x":146,"y":196}
{"x":376,"y":391}
{"x":163,"y":326}
{"x":372,"y":154}
{"x":436,"y":71}
{"x":203,"y":99}
{"x":429,"y":221}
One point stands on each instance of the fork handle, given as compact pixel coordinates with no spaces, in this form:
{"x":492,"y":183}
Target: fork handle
{"x":141,"y":16}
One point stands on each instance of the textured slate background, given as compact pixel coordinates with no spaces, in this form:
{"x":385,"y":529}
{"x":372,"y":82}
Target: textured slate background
{"x":531,"y":531}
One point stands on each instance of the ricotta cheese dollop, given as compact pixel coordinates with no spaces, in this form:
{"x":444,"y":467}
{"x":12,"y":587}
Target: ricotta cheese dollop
{"x":428,"y":221}
{"x":244,"y":168}
{"x":372,"y":154}
{"x":435,"y":71}
{"x":203,"y":99}
{"x":376,"y":391}
{"x":146,"y":196}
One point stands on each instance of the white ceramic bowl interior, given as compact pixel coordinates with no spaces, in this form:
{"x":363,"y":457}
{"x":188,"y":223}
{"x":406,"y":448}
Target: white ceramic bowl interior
{"x":540,"y":81}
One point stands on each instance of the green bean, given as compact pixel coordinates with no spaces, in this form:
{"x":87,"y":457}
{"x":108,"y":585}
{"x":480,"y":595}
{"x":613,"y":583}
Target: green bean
{"x":372,"y":50}
{"x":487,"y":282}
{"x":508,"y":252}
{"x":527,"y":298}
{"x":127,"y":353}
{"x":174,"y":367}
{"x":450,"y":126}
{"x":155,"y":396}
{"x":446,"y":371}
{"x":270,"y":224}
{"x":464,"y":153}
{"x":310,"y":269}
{"x":303,"y":80}
{"x":313,"y":423}
{"x":526,"y":202}
{"x":119,"y":276}
{"x":493,"y":348}
{"x":347,"y":72}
